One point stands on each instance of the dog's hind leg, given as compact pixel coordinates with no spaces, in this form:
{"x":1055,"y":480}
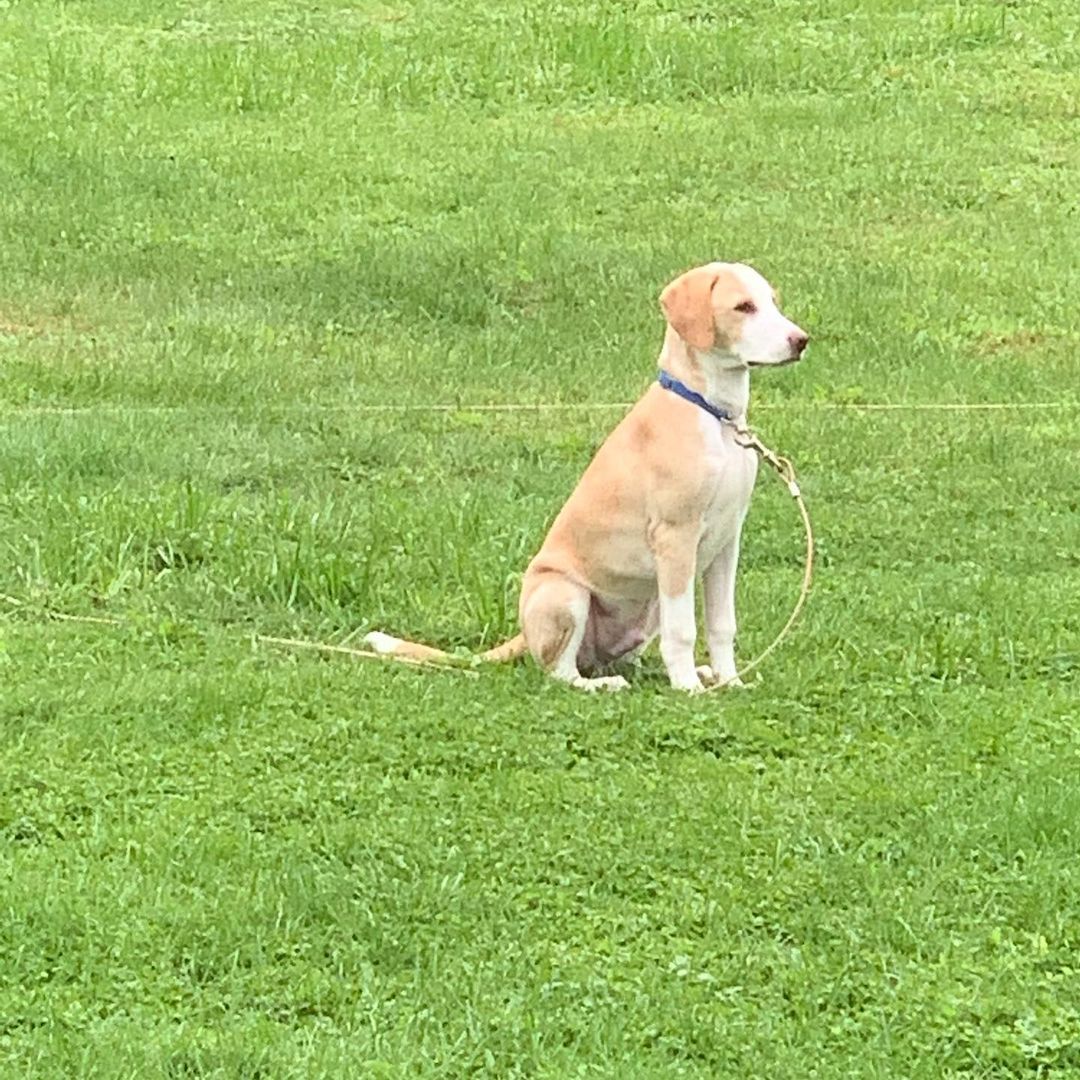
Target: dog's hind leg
{"x":555,"y":617}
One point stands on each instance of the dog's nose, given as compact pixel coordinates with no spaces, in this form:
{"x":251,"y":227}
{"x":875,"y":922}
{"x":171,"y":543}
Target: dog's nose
{"x":798,"y":342}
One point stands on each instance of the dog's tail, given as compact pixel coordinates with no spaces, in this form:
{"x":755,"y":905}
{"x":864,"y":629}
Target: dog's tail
{"x":390,"y":646}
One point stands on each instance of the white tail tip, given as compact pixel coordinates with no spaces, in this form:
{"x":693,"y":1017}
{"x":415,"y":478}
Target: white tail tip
{"x":382,"y":643}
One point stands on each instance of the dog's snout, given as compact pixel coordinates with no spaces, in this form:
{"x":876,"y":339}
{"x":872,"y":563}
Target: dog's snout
{"x":798,"y":342}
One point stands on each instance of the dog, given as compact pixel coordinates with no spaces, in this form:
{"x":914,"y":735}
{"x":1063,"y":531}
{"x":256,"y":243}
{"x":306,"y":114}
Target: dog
{"x":661,"y":503}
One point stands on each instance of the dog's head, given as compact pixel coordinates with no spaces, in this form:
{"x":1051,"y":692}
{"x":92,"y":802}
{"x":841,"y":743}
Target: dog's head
{"x":728,"y":311}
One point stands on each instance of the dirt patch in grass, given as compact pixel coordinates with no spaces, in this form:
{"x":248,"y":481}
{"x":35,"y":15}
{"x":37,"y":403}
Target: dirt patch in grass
{"x":993,"y":343}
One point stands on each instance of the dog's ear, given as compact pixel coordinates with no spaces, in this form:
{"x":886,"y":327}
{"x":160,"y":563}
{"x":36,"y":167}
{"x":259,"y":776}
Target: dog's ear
{"x":687,"y":304}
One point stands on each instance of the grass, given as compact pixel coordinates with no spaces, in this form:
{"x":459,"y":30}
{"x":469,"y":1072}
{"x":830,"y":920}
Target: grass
{"x":227,"y":226}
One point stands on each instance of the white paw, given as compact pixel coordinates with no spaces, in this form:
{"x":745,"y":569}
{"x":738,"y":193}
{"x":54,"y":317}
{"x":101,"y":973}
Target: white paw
{"x":734,"y":683}
{"x":689,"y":686}
{"x":605,"y":682}
{"x":710,"y":677}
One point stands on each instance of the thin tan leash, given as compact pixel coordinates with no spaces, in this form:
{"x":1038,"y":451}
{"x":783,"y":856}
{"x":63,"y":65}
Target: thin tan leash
{"x":786,"y":471}
{"x":62,"y":616}
{"x":290,"y":643}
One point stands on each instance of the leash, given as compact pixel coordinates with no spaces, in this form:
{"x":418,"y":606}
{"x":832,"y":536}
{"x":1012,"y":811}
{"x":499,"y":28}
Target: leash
{"x":786,"y":471}
{"x":289,"y":643}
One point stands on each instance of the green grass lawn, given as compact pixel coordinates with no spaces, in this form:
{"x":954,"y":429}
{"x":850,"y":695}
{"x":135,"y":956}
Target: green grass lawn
{"x":228,"y":227}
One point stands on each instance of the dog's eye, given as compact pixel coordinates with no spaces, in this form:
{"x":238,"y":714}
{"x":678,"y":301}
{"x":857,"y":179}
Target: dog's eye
{"x":748,"y":307}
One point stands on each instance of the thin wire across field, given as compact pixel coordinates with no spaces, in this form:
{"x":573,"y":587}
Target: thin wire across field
{"x":537,"y":406}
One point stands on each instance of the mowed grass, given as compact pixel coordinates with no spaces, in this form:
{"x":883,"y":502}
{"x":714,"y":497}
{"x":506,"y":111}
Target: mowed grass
{"x":225,"y":229}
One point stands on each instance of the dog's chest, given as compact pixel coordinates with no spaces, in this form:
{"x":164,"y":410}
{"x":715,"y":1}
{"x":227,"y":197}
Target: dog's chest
{"x":730,"y":472}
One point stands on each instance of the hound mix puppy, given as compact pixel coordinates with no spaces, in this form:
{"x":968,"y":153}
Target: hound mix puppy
{"x":661,"y":503}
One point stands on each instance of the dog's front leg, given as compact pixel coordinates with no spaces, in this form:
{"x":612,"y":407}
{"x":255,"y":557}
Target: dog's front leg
{"x":675,"y":550}
{"x":719,"y":583}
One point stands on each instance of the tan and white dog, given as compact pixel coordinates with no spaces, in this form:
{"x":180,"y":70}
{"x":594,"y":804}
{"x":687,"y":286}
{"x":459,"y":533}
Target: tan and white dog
{"x":661,"y":503}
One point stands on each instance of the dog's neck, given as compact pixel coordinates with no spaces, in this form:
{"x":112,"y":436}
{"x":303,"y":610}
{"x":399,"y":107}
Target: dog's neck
{"x":726,"y":388}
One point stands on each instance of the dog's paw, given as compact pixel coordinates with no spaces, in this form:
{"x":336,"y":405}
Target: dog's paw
{"x":735,"y":683}
{"x":688,"y":686}
{"x":710,"y":679}
{"x":604,"y":682}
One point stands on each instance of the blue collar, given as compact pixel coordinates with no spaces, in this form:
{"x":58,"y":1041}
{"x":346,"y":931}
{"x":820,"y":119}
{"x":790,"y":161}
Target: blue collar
{"x":684,"y":391}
